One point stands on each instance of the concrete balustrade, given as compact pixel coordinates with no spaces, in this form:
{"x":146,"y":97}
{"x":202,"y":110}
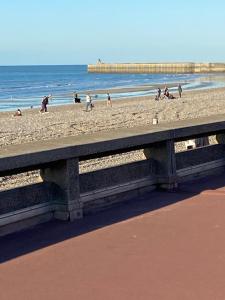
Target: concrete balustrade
{"x":163,"y":154}
{"x":65,"y":194}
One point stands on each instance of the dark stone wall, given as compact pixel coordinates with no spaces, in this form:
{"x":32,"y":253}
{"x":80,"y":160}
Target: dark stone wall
{"x":199,"y":156}
{"x":115,"y":175}
{"x":23,"y":197}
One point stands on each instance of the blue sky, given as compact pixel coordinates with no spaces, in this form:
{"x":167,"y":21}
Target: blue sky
{"x":80,"y":32}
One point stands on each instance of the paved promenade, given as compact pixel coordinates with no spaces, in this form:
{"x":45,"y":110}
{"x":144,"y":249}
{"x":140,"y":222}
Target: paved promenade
{"x":161,"y":246}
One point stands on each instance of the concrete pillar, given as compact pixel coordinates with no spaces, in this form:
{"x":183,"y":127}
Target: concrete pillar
{"x":163,"y":155}
{"x":201,"y":142}
{"x":66,"y":175}
{"x":220,"y":137}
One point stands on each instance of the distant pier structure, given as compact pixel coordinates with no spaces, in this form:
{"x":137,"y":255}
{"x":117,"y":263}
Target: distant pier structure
{"x":188,"y":67}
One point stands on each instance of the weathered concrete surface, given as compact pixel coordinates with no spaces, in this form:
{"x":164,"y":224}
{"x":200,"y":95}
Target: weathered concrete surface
{"x":113,"y":176}
{"x":199,"y":156}
{"x":65,"y":174}
{"x":27,"y":196}
{"x":163,"y":155}
{"x":24,"y":157}
{"x":146,"y":251}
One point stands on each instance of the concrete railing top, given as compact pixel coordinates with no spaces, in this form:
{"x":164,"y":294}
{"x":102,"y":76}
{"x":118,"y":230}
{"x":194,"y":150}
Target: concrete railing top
{"x":16,"y":158}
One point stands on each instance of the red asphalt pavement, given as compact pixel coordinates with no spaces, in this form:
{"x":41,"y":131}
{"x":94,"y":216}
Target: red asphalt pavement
{"x":160,"y":246}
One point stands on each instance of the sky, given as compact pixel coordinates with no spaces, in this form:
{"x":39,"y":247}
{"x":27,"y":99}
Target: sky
{"x":81,"y":31}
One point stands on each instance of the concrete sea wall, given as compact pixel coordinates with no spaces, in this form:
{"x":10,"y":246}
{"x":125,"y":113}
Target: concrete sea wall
{"x":66,"y":194}
{"x":157,"y":68}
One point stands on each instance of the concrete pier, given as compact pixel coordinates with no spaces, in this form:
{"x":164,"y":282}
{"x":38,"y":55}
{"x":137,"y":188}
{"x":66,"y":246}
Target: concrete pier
{"x":188,"y":67}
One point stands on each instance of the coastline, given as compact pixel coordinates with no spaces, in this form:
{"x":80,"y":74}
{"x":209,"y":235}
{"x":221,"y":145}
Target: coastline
{"x":72,"y":120}
{"x":140,"y":88}
{"x":99,"y":94}
{"x":116,"y":92}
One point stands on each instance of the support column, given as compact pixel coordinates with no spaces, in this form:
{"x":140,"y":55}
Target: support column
{"x":66,"y":175}
{"x":163,"y":155}
{"x":220,"y":137}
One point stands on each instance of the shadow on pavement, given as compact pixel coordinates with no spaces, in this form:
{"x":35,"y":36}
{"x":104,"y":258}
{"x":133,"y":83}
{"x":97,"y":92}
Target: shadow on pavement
{"x":44,"y":235}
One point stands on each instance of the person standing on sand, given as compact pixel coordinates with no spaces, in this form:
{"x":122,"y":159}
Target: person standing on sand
{"x":88,"y":102}
{"x":179,"y":90}
{"x":44,"y":104}
{"x":109,"y":100}
{"x":159,"y":93}
{"x":166,"y":91}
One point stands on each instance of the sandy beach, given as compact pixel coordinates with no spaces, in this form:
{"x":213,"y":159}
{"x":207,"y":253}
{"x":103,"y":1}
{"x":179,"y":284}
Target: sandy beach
{"x":72,"y":120}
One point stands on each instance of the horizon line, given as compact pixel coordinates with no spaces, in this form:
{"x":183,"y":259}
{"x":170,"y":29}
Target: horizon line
{"x":42,"y":65}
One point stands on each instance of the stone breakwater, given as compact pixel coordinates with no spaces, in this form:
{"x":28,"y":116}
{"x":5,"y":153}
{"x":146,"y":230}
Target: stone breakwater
{"x":157,"y":68}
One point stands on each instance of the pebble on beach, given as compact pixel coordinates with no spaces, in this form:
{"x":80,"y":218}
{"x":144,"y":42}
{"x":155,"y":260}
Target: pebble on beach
{"x":72,"y":120}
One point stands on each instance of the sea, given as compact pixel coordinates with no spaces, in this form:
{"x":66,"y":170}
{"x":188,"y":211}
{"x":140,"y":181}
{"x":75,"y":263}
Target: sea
{"x":25,"y":86}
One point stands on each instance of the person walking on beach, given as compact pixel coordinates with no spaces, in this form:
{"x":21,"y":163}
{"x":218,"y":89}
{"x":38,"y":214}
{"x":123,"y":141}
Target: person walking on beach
{"x":159,"y":93}
{"x":109,"y":100}
{"x":88,"y":102}
{"x":179,"y":90}
{"x":44,"y":104}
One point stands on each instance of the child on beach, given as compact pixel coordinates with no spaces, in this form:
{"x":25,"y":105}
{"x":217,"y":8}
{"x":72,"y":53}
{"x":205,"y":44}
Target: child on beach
{"x":18,"y":113}
{"x":109,"y":101}
{"x":76,"y":98}
{"x":166,"y":91}
{"x":167,"y":94}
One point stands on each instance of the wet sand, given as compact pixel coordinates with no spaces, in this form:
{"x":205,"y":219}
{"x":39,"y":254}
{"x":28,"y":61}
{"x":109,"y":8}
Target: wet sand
{"x":120,"y":90}
{"x":140,"y":88}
